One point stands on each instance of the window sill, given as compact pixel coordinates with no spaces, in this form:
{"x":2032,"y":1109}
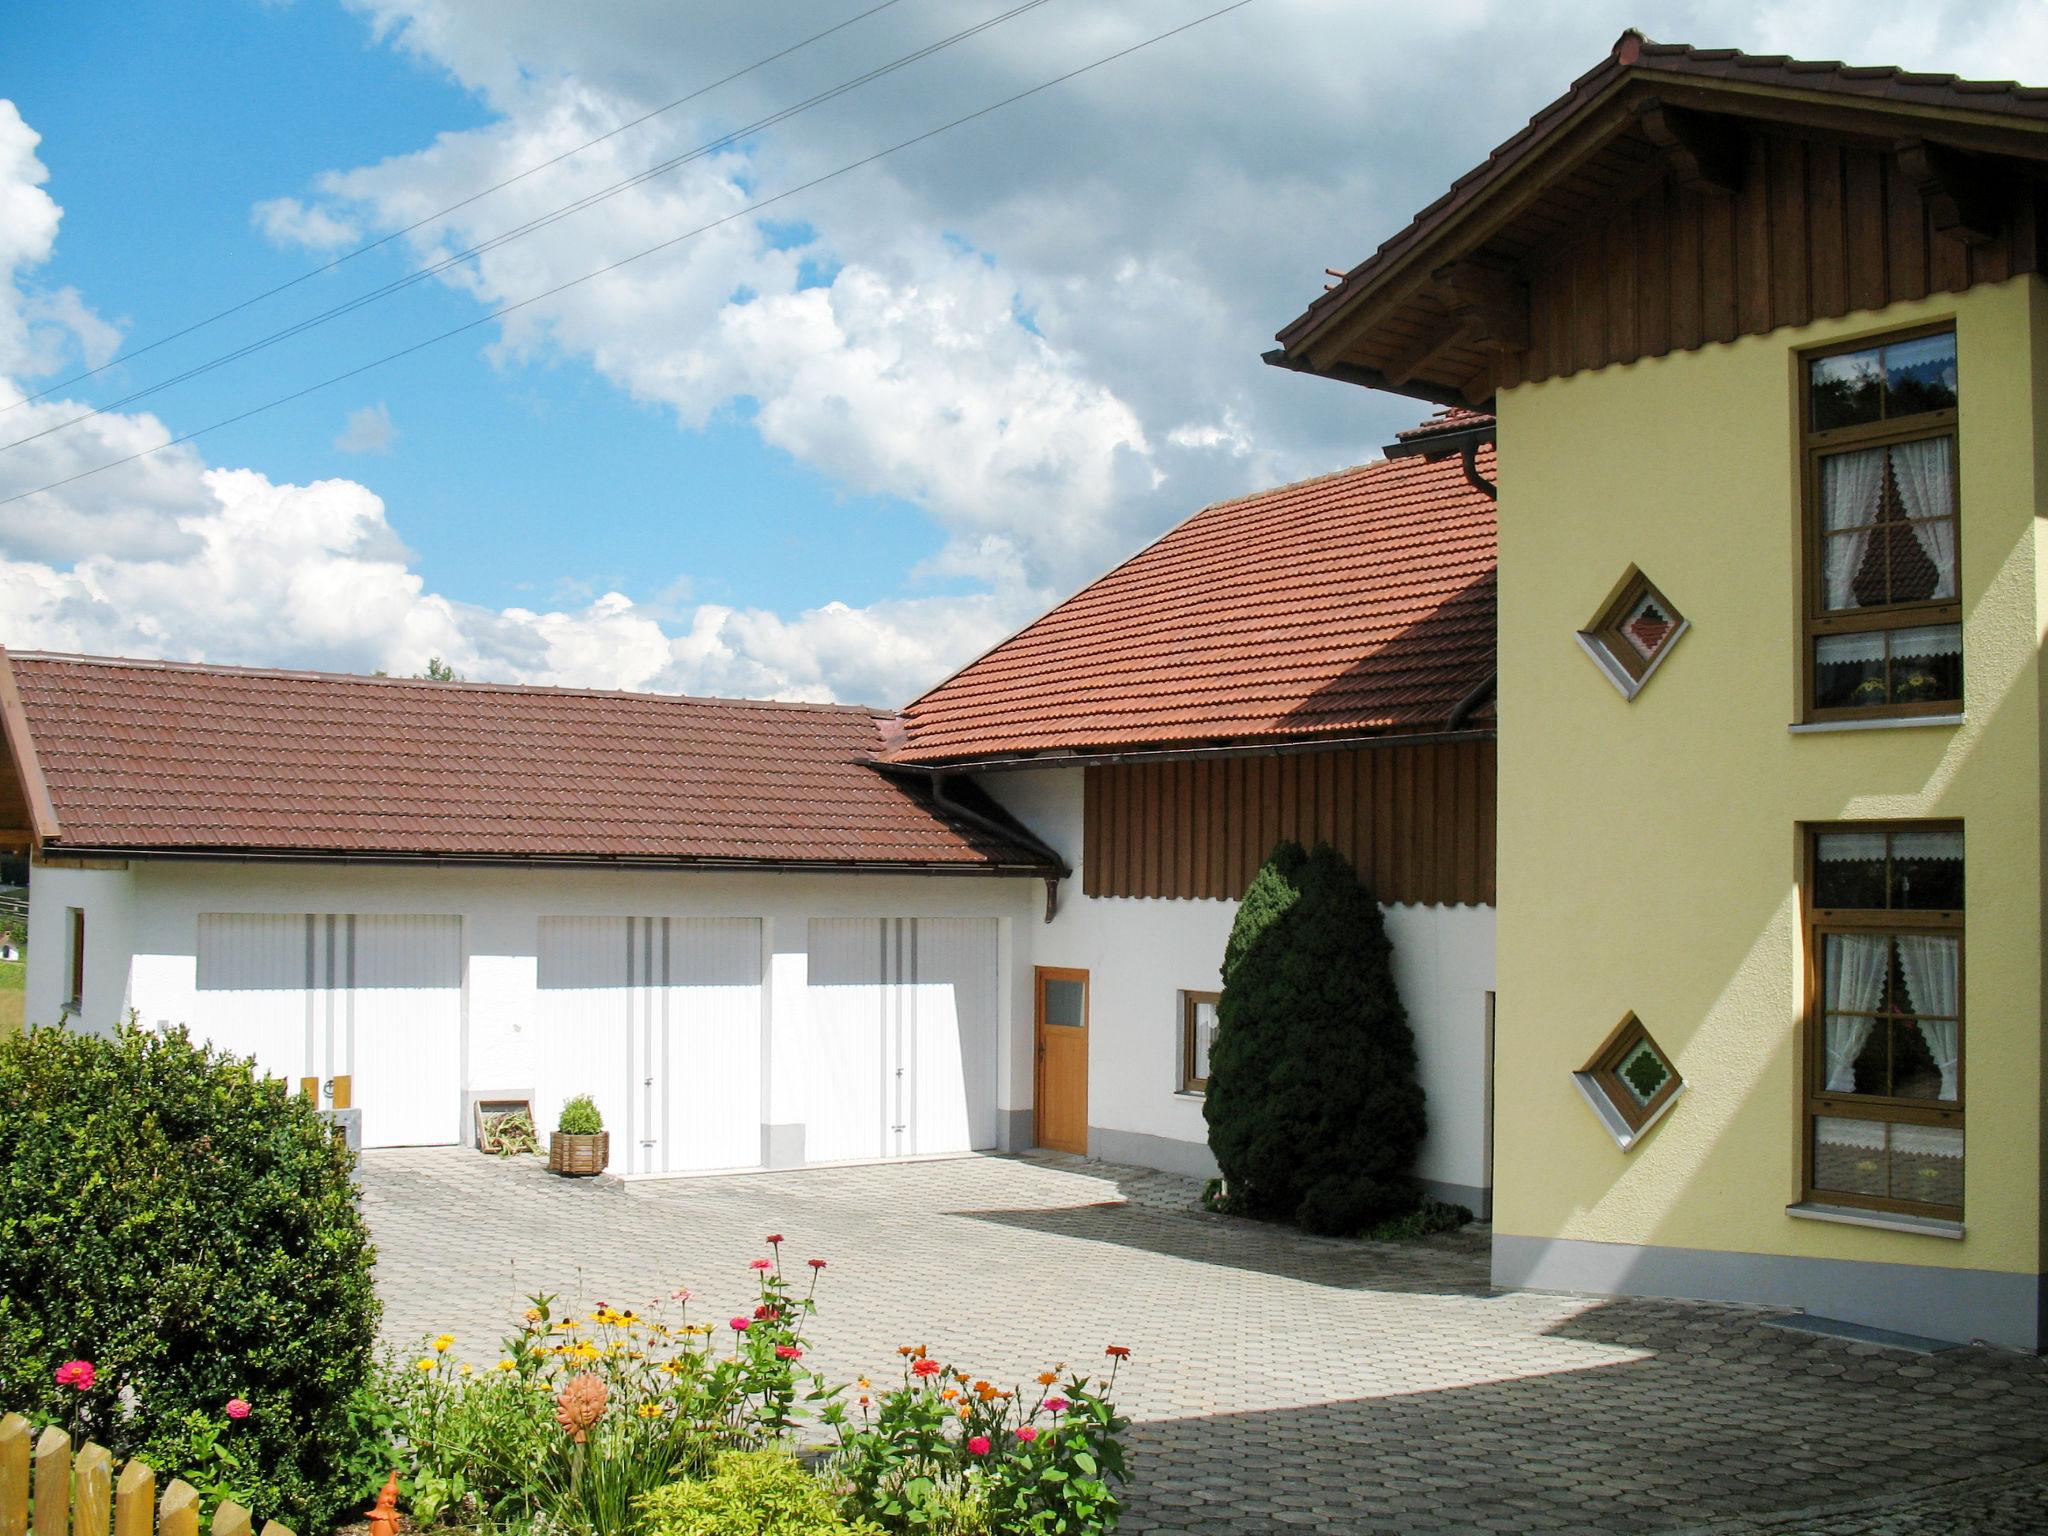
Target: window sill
{"x":1197,"y":1094}
{"x":1889,"y":1221}
{"x":1886,"y":723}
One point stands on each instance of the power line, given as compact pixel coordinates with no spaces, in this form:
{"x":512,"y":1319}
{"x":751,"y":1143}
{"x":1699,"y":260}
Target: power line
{"x":383,"y":240}
{"x":754,"y":207}
{"x":517,"y":232}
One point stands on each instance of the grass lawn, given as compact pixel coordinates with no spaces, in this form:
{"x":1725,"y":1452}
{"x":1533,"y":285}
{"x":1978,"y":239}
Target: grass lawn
{"x":12,"y":973}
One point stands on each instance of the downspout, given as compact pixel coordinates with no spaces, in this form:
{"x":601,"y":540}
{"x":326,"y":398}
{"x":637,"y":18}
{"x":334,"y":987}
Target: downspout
{"x":1491,"y":490}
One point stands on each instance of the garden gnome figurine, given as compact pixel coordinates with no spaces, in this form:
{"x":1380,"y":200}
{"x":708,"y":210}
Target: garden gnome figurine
{"x":383,"y":1515}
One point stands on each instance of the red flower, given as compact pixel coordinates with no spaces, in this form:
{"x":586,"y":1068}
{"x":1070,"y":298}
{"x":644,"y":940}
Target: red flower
{"x":762,"y":1264}
{"x":767,"y":1314}
{"x":926,"y":1368}
{"x":76,"y":1373}
{"x":978,"y":1445}
{"x":815,"y":1263}
{"x":739,"y":1325}
{"x":1117,"y":1352}
{"x":1056,"y":1404}
{"x":774,"y":1239}
{"x":788,"y":1352}
{"x":1027,"y":1434}
{"x":238,"y":1408}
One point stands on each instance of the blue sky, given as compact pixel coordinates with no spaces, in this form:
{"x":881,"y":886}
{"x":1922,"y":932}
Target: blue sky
{"x":832,"y":449}
{"x":513,"y":483}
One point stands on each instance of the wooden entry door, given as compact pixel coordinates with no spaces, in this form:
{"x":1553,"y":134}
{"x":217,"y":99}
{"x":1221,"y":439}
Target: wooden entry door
{"x":1062,"y":1077}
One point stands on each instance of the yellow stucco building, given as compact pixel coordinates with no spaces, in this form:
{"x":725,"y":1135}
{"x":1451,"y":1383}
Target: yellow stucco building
{"x":1767,"y":345}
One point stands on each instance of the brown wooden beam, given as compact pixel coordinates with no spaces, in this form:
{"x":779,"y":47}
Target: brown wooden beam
{"x":1488,"y":300}
{"x":1705,"y":152}
{"x":1960,"y":194}
{"x":1424,"y":355}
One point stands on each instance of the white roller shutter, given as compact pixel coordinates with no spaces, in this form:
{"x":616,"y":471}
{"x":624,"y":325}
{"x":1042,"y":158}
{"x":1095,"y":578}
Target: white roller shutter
{"x":377,"y":999}
{"x":659,"y":1020}
{"x":901,"y":1051}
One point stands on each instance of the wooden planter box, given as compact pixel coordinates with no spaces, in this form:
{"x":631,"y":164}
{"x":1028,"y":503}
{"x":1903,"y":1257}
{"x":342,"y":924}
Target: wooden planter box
{"x":579,"y":1156}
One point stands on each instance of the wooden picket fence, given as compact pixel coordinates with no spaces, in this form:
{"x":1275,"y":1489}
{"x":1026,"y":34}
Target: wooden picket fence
{"x":46,"y":1491}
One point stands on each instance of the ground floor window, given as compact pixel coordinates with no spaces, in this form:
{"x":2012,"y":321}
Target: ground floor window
{"x":1197,"y":1034}
{"x":75,"y":942}
{"x":1885,"y":1020}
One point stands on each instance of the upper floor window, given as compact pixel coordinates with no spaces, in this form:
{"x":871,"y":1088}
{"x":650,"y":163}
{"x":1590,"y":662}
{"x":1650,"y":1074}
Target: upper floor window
{"x":1883,"y":610}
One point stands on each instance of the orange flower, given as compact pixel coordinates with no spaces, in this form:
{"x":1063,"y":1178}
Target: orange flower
{"x":1117,"y":1352}
{"x":1046,"y":1378}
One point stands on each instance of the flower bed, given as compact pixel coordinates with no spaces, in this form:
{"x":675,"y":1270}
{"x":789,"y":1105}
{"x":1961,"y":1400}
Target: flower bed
{"x":623,"y":1421}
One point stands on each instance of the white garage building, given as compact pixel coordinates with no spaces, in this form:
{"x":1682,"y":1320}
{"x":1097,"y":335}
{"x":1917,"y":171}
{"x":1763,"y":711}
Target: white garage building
{"x":748,"y":946}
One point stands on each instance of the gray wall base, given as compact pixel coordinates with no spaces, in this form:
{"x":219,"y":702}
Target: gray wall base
{"x":1016,"y":1130}
{"x":1475,"y":1199}
{"x":1959,"y":1304}
{"x":782,"y":1146}
{"x":1146,"y":1151}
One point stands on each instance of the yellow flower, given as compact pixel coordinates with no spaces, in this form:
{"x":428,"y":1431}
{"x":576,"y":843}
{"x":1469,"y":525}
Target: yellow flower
{"x":441,"y":1344}
{"x":650,"y":1410}
{"x":425,"y":1365}
{"x":508,"y":1365}
{"x":466,"y":1368}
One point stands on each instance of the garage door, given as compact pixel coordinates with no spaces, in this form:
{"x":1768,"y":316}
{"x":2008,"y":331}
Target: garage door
{"x":901,"y":1053}
{"x":659,"y":1020}
{"x":374,"y":998}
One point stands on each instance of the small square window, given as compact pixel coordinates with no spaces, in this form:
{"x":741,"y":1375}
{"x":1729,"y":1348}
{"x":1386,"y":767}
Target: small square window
{"x":1197,"y":1035}
{"x":1633,"y":632}
{"x":1630,"y":1082}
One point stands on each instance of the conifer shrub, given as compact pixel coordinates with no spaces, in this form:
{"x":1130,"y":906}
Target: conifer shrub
{"x":188,"y":1231}
{"x":1314,"y":1108}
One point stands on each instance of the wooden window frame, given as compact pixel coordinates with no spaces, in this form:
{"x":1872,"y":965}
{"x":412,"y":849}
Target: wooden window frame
{"x":1626,"y":667}
{"x":1189,"y":1001}
{"x":1816,"y":619}
{"x":1816,"y":1099}
{"x":75,"y":959}
{"x":1605,"y":1070}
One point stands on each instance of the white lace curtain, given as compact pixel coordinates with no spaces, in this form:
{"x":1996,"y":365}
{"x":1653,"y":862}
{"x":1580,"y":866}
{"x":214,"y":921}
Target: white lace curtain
{"x":1928,"y":964}
{"x":1856,"y":967}
{"x":1925,"y":475}
{"x":1850,"y":487}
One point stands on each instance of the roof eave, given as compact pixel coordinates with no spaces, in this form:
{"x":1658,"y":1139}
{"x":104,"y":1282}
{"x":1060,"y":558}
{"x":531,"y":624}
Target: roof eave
{"x":219,"y":854}
{"x":19,"y":743}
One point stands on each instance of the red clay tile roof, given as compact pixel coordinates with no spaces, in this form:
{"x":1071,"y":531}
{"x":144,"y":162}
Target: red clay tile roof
{"x":1452,"y":418}
{"x":1360,"y":602}
{"x":2006,"y":103}
{"x":152,"y":755}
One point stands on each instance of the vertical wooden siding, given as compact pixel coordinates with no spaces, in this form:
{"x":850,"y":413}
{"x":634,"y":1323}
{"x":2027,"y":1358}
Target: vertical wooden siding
{"x":1417,"y":822}
{"x":1817,"y":231}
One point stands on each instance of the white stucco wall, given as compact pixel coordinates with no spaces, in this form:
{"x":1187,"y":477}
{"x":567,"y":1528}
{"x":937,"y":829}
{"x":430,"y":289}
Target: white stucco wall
{"x":104,"y":895}
{"x":143,"y":925}
{"x":1142,"y":953}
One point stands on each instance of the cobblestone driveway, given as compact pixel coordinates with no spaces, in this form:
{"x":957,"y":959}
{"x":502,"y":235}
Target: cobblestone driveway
{"x":1278,"y":1380}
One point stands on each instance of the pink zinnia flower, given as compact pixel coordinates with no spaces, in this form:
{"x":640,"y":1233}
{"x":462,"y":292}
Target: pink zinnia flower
{"x":788,"y":1352}
{"x":1056,"y":1404}
{"x":739,"y":1325}
{"x":1027,"y":1434}
{"x":680,"y":1293}
{"x":76,"y":1373}
{"x":238,"y":1408}
{"x":978,"y":1446}
{"x":762,"y":1264}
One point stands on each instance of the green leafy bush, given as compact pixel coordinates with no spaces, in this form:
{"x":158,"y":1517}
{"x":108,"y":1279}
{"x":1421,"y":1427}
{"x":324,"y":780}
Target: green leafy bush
{"x":190,"y":1229}
{"x":1426,"y":1220}
{"x":580,"y":1117}
{"x":1314,"y":1109}
{"x":749,"y":1493}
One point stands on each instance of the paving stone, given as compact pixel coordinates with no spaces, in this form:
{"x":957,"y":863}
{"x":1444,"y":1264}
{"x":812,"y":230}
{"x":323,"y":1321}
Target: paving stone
{"x":1278,"y":1381}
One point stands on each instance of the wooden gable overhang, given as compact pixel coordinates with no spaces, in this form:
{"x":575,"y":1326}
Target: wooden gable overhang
{"x":1675,"y":197}
{"x":28,"y":818}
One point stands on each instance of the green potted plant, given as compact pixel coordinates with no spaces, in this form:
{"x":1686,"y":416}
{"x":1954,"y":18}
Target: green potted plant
{"x":580,"y":1145}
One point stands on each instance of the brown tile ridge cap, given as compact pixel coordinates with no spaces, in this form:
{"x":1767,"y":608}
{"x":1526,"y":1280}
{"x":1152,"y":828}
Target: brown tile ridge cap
{"x":291,"y":674}
{"x":907,"y":752}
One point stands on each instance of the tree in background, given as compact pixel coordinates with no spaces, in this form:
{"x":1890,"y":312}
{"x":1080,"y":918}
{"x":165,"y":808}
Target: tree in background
{"x":438,"y":671}
{"x":1314,"y":1108}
